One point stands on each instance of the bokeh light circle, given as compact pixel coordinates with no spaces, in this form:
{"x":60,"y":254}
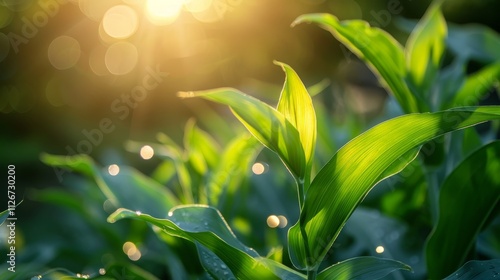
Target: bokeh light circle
{"x":64,"y":52}
{"x":120,"y":22}
{"x":121,"y":58}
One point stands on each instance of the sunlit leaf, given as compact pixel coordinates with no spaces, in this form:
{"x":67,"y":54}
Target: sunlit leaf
{"x":477,"y":85}
{"x":425,"y":48}
{"x":129,"y":188}
{"x":477,"y":270}
{"x":205,"y":226}
{"x":466,"y":199}
{"x":376,"y":47}
{"x":346,"y":179}
{"x":362,"y":268}
{"x":268,"y":125}
{"x":296,"y":105}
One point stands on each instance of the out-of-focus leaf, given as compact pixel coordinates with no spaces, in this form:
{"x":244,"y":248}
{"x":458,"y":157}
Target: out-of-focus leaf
{"x":296,"y":105}
{"x":471,"y":141}
{"x":170,"y":150}
{"x":376,"y":47}
{"x":205,"y":226}
{"x":475,"y":42}
{"x":268,"y":125}
{"x":346,"y":179}
{"x":449,"y":81}
{"x":466,"y":200}
{"x":232,"y":169}
{"x":202,"y":148}
{"x":129,"y":188}
{"x":3,"y":216}
{"x":477,"y":270}
{"x":477,"y":85}
{"x":318,"y":87}
{"x":370,"y":229}
{"x":362,"y":268}
{"x":425,"y":48}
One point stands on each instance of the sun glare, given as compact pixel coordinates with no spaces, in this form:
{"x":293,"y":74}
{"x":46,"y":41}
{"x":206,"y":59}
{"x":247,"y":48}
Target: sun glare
{"x":163,"y":12}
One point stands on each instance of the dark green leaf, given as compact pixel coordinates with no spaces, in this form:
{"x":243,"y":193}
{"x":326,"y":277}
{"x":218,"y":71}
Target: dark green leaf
{"x":474,"y":42}
{"x":204,"y":225}
{"x":477,"y":270}
{"x":466,"y":199}
{"x":362,"y":268}
{"x":129,"y":188}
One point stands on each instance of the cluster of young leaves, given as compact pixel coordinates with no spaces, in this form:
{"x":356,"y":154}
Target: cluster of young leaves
{"x":327,"y":199}
{"x":414,"y":75}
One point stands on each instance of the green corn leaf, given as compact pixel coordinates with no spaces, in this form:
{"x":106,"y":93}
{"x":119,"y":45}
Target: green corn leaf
{"x":296,"y":105}
{"x":466,"y":199}
{"x":362,"y":268}
{"x":170,"y":150}
{"x":383,"y":54}
{"x":477,"y":85}
{"x":424,"y":50}
{"x":205,"y":227}
{"x":346,"y":179}
{"x":201,"y":147}
{"x":129,"y":188}
{"x":268,"y":125}
{"x":477,"y":270}
{"x":232,"y":169}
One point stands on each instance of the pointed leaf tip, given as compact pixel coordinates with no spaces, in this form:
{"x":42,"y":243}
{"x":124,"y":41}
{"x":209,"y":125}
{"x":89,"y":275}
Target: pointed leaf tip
{"x":185,"y":94}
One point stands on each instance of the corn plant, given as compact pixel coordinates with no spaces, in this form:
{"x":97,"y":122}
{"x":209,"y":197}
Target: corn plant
{"x":329,"y":196}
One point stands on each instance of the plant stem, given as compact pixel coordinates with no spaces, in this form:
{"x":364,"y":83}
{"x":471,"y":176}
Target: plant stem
{"x":311,"y":274}
{"x":300,"y":187}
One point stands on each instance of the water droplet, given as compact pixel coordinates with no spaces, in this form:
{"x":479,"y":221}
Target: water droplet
{"x":102,"y":271}
{"x":170,"y":213}
{"x":138,"y":213}
{"x":223,"y":266}
{"x":36,"y":277}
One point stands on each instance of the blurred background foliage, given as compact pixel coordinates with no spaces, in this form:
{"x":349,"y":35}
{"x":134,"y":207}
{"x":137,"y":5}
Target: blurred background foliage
{"x":100,"y":78}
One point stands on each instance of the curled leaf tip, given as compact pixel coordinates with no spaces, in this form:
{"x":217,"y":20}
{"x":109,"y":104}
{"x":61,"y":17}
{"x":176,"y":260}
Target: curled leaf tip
{"x":185,"y":94}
